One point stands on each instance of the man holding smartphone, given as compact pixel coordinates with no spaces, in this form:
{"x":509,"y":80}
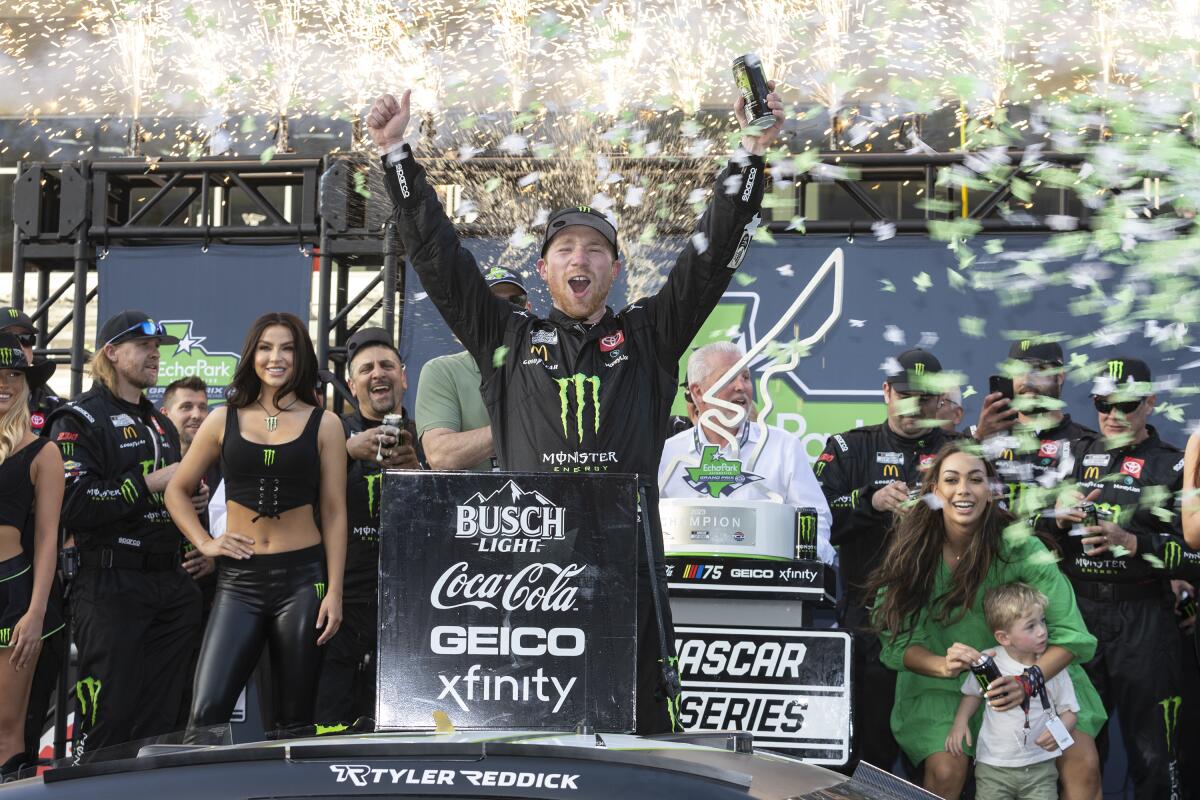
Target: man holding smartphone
{"x":1026,"y":433}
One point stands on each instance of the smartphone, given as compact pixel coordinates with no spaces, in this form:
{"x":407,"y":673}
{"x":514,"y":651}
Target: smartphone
{"x":1001,"y":384}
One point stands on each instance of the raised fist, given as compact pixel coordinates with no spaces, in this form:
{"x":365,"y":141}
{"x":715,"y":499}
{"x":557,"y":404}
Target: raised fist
{"x":388,"y":119}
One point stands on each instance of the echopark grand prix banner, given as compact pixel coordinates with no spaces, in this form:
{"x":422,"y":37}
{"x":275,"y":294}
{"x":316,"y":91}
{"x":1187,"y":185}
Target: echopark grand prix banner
{"x":884,"y":296}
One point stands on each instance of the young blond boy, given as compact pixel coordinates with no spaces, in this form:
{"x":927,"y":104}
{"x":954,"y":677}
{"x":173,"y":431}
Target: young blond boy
{"x":1016,"y":750}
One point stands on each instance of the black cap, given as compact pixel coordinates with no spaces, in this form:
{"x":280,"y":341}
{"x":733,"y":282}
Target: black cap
{"x":1034,"y":350}
{"x":368,"y":336}
{"x":498,"y":275}
{"x":914,"y":363}
{"x":125,"y":326}
{"x":1121,"y":375}
{"x":13,"y":357}
{"x":12,"y":318}
{"x":580,"y":215}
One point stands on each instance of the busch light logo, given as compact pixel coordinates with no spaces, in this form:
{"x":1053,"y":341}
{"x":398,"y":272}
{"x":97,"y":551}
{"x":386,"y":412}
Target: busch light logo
{"x":510,"y":511}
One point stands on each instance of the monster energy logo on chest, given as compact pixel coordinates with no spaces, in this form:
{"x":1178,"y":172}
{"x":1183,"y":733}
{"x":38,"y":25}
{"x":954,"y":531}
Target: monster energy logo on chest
{"x":580,"y":395}
{"x":5,"y":637}
{"x":6,"y":356}
{"x":129,"y":491}
{"x":373,"y":493}
{"x":268,"y":457}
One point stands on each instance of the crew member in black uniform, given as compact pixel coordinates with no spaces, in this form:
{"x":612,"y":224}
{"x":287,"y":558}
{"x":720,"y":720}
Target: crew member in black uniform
{"x":346,"y":692}
{"x":136,"y":612}
{"x":31,"y":491}
{"x":42,"y":400}
{"x":279,"y":579}
{"x":1120,"y":571}
{"x":866,"y":474}
{"x":585,"y":390}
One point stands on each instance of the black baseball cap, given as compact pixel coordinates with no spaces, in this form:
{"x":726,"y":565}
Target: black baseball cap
{"x":498,"y":275}
{"x":1123,"y":375}
{"x":1034,"y":350}
{"x":13,"y":357}
{"x":12,"y":318}
{"x":368,"y":336}
{"x":580,"y":215}
{"x":914,"y":363}
{"x":125,"y":326}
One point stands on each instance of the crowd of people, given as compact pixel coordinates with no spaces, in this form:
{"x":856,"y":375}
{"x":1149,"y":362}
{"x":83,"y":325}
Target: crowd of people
{"x":194,"y":539}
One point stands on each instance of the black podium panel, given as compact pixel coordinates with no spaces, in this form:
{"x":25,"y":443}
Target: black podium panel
{"x":507,"y":600}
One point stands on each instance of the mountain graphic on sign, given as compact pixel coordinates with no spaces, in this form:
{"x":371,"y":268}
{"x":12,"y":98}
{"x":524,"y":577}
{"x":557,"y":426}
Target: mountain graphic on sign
{"x":510,"y":495}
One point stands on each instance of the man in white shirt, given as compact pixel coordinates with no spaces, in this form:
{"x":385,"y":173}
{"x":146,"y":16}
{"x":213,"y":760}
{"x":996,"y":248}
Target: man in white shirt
{"x":770,"y":463}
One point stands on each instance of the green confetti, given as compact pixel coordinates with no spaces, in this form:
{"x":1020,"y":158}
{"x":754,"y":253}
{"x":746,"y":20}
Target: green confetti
{"x":492,"y":184}
{"x":743,"y":279}
{"x":972,"y":326}
{"x":267,"y":154}
{"x":360,"y":185}
{"x":922,"y":281}
{"x":886,"y":286}
{"x":498,"y":356}
{"x":1153,"y":560}
{"x":955,"y":279}
{"x":969,"y":392}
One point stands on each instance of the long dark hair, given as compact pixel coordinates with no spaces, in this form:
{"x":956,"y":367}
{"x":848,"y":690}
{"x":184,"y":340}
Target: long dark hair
{"x":245,"y":387}
{"x":914,"y":556}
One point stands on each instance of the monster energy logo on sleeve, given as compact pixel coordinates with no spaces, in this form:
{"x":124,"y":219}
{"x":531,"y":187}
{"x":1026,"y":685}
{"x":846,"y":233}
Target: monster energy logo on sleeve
{"x":1172,"y":554}
{"x":268,"y":457}
{"x":1170,"y":708}
{"x":580,"y":382}
{"x":5,"y":637}
{"x":373,"y":493}
{"x":88,"y":704}
{"x":320,"y":587}
{"x":129,"y":492}
{"x":1116,"y":370}
{"x":68,"y":448}
{"x":6,"y":356}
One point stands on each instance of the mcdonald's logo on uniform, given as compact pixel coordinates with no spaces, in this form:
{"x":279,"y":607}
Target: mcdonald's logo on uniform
{"x":129,"y":432}
{"x":891,"y":471}
{"x":1091,"y":474}
{"x":1006,"y":454}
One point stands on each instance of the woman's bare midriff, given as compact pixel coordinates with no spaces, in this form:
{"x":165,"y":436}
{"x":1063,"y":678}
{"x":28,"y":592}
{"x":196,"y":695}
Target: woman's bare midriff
{"x":10,"y":542}
{"x":294,"y":530}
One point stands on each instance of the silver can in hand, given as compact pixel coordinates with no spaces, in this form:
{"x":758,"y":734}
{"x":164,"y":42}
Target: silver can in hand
{"x":389,"y":421}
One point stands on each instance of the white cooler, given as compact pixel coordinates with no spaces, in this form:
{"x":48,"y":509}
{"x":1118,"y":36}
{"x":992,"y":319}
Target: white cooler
{"x":749,"y":529}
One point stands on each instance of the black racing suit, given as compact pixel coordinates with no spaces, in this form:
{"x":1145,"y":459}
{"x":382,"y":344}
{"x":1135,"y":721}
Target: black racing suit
{"x":42,"y":403}
{"x":1127,"y":603}
{"x":1032,"y":463}
{"x":346,"y":691}
{"x":565,"y":396}
{"x":853,"y":466}
{"x":137,"y":612}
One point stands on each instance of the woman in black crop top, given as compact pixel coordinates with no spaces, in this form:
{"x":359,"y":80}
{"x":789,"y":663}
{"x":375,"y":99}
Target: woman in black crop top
{"x":31,"y":493}
{"x":279,"y":580}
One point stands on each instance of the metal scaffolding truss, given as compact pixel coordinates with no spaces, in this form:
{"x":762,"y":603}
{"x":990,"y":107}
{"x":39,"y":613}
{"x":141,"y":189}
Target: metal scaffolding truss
{"x":67,"y":214}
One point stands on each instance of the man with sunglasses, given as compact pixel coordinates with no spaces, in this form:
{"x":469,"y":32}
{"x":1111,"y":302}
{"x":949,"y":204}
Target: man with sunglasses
{"x":866,"y":475}
{"x":1120,"y":570}
{"x":1029,"y":438}
{"x":136,"y":611}
{"x":42,"y":400}
{"x":452,"y":420}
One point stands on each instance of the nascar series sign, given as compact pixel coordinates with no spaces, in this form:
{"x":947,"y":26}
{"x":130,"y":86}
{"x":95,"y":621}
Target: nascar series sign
{"x":790,"y":688}
{"x":507,"y":600}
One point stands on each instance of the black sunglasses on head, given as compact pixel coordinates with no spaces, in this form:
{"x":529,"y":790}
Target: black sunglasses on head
{"x":519,"y":300}
{"x":148,"y":328}
{"x":26,"y":339}
{"x":1105,"y":407}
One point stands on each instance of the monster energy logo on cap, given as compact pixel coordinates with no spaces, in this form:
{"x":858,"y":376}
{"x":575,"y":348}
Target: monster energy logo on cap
{"x":92,"y":701}
{"x":268,"y":457}
{"x":580,"y":383}
{"x":6,"y":356}
{"x":12,"y":312}
{"x":320,"y":587}
{"x":1116,"y":370}
{"x":919,"y":368}
{"x":129,"y":491}
{"x":1026,"y":344}
{"x":806,"y":533}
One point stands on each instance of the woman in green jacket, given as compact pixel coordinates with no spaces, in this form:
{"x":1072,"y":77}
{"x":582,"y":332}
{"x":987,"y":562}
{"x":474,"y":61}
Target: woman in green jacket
{"x":945,"y":553}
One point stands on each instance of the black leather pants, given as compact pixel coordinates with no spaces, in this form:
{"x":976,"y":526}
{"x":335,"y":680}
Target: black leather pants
{"x":268,"y":600}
